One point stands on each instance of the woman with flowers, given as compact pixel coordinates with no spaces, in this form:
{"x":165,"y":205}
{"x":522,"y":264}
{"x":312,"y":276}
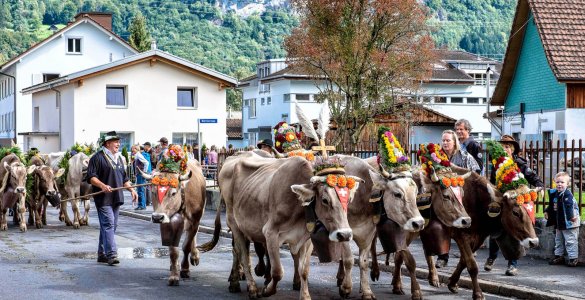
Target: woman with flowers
{"x":511,"y":147}
{"x":459,"y":157}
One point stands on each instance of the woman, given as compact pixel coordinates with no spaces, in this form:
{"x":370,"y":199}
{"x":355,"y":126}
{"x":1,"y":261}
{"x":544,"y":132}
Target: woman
{"x":460,"y":158}
{"x":140,"y":162}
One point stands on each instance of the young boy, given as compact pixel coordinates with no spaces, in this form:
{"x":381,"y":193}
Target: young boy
{"x":564,"y":215}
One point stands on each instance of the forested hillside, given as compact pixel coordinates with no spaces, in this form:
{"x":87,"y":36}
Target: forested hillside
{"x":226,"y":36}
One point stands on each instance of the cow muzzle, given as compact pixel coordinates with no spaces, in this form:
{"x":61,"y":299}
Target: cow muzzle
{"x":20,"y":190}
{"x":414,"y":224}
{"x":54,"y":198}
{"x":160,"y":218}
{"x":462,"y":222}
{"x":341,"y":235}
{"x":529,"y":242}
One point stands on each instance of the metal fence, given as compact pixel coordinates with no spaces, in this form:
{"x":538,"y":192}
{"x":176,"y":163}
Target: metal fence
{"x":547,"y":159}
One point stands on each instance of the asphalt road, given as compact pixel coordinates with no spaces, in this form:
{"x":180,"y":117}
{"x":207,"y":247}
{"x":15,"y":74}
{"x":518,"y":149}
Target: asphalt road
{"x":59,"y":262}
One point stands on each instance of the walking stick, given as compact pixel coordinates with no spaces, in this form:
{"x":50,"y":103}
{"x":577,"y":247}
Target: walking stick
{"x":97,"y":193}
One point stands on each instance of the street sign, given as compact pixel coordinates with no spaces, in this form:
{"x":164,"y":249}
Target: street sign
{"x":207,"y":121}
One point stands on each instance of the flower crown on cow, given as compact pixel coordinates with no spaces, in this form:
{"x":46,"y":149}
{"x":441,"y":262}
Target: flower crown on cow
{"x":286,"y":137}
{"x":508,"y":175}
{"x":173,"y":160}
{"x":391,"y":156}
{"x":435,"y":164}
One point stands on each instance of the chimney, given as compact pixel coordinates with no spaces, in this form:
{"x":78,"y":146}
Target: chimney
{"x":153,"y":45}
{"x":102,"y":18}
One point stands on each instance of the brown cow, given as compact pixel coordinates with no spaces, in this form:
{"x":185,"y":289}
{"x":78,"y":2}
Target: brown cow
{"x":177,"y":210}
{"x":264,"y":201}
{"x":44,"y":190}
{"x":13,"y":189}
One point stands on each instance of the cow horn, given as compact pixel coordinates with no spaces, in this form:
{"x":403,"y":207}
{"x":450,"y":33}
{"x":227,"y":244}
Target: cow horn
{"x":384,"y":172}
{"x":434,"y":177}
{"x":185,"y":176}
{"x":356,"y":178}
{"x":316,"y":179}
{"x":146,"y":176}
{"x":466,"y":175}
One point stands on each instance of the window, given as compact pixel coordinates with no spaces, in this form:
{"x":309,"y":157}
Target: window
{"x":547,"y":136}
{"x":36,"y":116}
{"x":49,"y":77}
{"x":268,"y":100}
{"x":116,"y":96}
{"x":252,"y":109}
{"x":456,"y":100}
{"x":184,"y":138}
{"x":246,"y":102}
{"x":440,"y":99}
{"x":74,"y":45}
{"x":187,"y":97}
{"x":266,"y":71}
{"x":303,"y":97}
{"x":286,"y":98}
{"x":252,"y":138}
{"x":473,"y":100}
{"x":261,"y":101}
{"x":425,"y":99}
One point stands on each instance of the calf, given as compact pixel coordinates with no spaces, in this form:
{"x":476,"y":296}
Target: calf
{"x":13,"y":189}
{"x":44,"y":190}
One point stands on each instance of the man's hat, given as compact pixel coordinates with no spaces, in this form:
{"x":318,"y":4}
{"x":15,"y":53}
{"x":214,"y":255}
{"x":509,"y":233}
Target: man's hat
{"x":508,"y":139}
{"x":147,"y":144}
{"x":266,"y":142}
{"x":109,"y":136}
{"x":164,"y":140}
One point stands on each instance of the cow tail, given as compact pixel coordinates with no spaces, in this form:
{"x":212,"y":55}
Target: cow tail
{"x":211,"y":244}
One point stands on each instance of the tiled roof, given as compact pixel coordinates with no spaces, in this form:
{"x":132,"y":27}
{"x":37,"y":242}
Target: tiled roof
{"x":449,"y":73}
{"x":234,"y":128}
{"x":561,"y":25}
{"x":454,"y":55}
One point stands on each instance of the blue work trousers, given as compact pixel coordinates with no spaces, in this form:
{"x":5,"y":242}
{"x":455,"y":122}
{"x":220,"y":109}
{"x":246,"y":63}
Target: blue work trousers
{"x":108,"y":218}
{"x":141,"y":191}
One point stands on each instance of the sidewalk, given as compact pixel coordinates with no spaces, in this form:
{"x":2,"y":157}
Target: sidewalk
{"x":536,"y":279}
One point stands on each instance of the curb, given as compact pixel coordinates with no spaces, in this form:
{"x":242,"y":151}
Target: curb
{"x":487,"y":286}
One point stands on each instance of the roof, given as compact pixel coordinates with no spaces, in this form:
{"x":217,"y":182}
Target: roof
{"x":234,"y":128}
{"x":461,"y":56}
{"x":448,"y":73}
{"x":561,"y":27}
{"x":158,"y":55}
{"x":83,"y":19}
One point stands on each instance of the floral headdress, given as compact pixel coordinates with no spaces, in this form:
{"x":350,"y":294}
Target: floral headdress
{"x":508,"y":175}
{"x":331,"y":165}
{"x":286,"y":137}
{"x":436,"y":165}
{"x":391,"y":156}
{"x":173,"y":160}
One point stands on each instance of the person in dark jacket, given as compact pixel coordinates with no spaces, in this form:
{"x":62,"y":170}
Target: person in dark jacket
{"x":463,"y":128}
{"x":105,"y":172}
{"x":562,"y":212}
{"x":512,"y":148}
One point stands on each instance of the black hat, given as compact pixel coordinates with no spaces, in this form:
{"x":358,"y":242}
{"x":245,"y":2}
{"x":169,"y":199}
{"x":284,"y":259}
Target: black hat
{"x":163,"y":140}
{"x":267,"y":142}
{"x":109,"y":136}
{"x":508,"y":139}
{"x":147,"y":144}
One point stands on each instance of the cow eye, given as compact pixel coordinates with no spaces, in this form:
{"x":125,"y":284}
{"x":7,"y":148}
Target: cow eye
{"x":397,"y":195}
{"x":516,"y":212}
{"x":325,"y":201}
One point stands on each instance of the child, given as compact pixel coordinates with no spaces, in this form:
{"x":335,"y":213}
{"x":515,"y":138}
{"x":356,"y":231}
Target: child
{"x":564,"y":215}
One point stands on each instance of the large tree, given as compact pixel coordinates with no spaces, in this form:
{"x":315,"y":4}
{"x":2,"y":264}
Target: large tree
{"x":139,"y":35}
{"x":369,"y":52}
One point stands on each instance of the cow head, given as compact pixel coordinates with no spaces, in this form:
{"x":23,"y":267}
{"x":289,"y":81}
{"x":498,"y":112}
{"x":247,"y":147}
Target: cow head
{"x":446,"y":203}
{"x":167,"y":189}
{"x":45,"y":183}
{"x":16,"y":177}
{"x":331,"y":204}
{"x":515,"y":219}
{"x":399,"y":198}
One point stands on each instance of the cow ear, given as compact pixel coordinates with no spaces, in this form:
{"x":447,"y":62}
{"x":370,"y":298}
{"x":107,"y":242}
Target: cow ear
{"x":7,"y":166}
{"x":378,"y":180}
{"x":186,"y":176}
{"x":31,"y":169}
{"x":305,"y":192}
{"x":86,"y":162}
{"x":60,"y":173}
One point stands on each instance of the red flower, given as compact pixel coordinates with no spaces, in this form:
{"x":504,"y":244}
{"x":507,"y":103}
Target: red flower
{"x":445,"y":163}
{"x":423,"y":159}
{"x":280,"y":138}
{"x":431,"y":147}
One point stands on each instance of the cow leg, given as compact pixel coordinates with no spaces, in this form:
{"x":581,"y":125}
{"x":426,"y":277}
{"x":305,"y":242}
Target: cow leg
{"x":21,"y":209}
{"x":76,"y":213}
{"x":273,"y":246}
{"x":452,"y":285}
{"x":44,"y":211}
{"x":304,"y":263}
{"x":296,"y":276}
{"x":365,"y":288}
{"x":433,"y":277}
{"x":243,"y":252}
{"x":174,"y":255}
{"x":340,"y":273}
{"x":3,"y":223}
{"x":260,"y":268}
{"x":190,"y":251}
{"x":31,"y":212}
{"x":347,"y":259}
{"x":411,"y":266}
{"x":85,"y":219}
{"x":375,"y":272}
{"x":64,"y":216}
{"x":38,"y":213}
{"x":234,"y":278}
{"x":396,"y":275}
{"x":472,"y":268}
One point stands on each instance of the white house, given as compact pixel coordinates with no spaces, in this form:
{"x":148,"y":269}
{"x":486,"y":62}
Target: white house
{"x":269,"y":98}
{"x":143,"y":97}
{"x":86,"y":42}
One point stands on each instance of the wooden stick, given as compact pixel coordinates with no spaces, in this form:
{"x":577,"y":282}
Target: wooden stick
{"x":100,"y":192}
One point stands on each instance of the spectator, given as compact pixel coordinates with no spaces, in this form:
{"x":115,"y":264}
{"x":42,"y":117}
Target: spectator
{"x":190,"y":155}
{"x":266,"y":145}
{"x":212,"y":156}
{"x":463,"y":128}
{"x":148,"y":149}
{"x":140,"y":163}
{"x":148,"y":155}
{"x":164,"y":144}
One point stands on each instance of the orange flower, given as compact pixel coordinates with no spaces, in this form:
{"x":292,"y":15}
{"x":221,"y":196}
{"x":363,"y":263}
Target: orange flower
{"x":527,"y":197}
{"x":350,"y":183}
{"x":156,"y":180}
{"x":164,"y":181}
{"x":174,"y":182}
{"x":520,"y":200}
{"x":310,"y":156}
{"x":446,"y":181}
{"x":461,"y":181}
{"x":331,"y":180}
{"x":290,"y":137}
{"x":342,"y":181}
{"x":533,"y":195}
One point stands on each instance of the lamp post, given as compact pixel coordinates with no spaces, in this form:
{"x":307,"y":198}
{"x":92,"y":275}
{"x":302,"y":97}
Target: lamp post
{"x":14,"y":97}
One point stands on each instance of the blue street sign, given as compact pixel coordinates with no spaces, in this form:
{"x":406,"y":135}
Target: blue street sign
{"x":207,"y":120}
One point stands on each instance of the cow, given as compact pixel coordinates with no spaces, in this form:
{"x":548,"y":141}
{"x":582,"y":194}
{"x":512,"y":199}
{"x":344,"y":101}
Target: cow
{"x":13,"y":174}
{"x":265,"y":199}
{"x":73,"y":186}
{"x":44,"y":190}
{"x":177,"y":209}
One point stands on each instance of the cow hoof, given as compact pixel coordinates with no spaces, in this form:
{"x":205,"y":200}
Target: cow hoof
{"x":453,"y":288}
{"x":194,"y":260}
{"x":23,"y":228}
{"x":61,"y":218}
{"x":76,"y":225}
{"x":296,"y":286}
{"x":434,"y":282}
{"x":375,"y":275}
{"x":173,"y":281}
{"x":4,"y":227}
{"x":344,"y":293}
{"x":235,"y":287}
{"x":416,"y":295}
{"x":368,"y":297}
{"x":185,"y":274}
{"x":259,"y":270}
{"x":339,"y":281}
{"x":478,"y":296}
{"x":265,"y":292}
{"x":397,"y":291}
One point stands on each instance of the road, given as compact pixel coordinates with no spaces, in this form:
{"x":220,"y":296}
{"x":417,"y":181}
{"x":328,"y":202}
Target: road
{"x":59,"y":262}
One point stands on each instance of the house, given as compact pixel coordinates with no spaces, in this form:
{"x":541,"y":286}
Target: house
{"x":458,"y":88}
{"x":542,"y":83}
{"x":86,"y":42}
{"x":143,"y":97}
{"x":234,"y":129}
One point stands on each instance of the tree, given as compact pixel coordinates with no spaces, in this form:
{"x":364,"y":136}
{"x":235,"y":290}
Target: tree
{"x":368,"y":52}
{"x":139,"y":36}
